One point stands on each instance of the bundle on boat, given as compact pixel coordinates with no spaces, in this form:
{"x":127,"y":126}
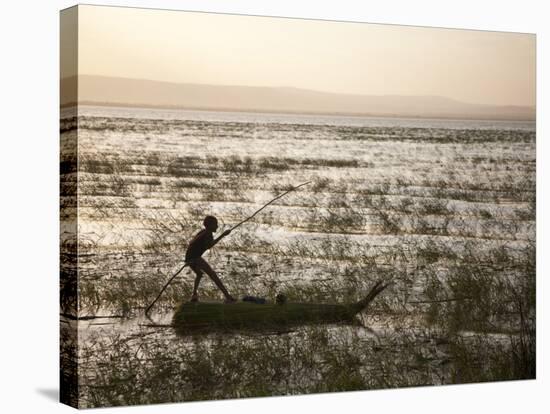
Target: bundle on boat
{"x":191,"y":316}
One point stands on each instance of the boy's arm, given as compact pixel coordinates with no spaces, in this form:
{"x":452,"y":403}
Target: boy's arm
{"x":215,"y":241}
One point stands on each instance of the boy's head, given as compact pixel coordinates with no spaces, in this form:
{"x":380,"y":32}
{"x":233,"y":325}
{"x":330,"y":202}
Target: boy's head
{"x":210,"y":223}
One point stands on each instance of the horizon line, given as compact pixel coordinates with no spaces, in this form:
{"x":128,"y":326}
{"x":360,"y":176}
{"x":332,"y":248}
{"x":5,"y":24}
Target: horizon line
{"x":289,"y":112}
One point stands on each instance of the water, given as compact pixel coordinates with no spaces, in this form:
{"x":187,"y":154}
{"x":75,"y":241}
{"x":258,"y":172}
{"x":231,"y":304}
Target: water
{"x":300,"y":119}
{"x":443,"y":208}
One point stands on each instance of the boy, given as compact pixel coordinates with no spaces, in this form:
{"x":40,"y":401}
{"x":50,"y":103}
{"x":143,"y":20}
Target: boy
{"x":203,"y":241}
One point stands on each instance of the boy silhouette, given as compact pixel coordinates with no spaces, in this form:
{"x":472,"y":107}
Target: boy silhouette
{"x":203,"y":241}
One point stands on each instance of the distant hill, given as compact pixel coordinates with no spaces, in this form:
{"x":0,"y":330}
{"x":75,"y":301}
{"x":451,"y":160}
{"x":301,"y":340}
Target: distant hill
{"x":101,"y":90}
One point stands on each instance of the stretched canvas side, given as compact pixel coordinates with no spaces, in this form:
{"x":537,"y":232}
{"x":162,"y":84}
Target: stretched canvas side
{"x":68,"y":206}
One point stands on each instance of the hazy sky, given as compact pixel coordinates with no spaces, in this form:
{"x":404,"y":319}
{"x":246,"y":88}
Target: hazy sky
{"x":471,"y":66}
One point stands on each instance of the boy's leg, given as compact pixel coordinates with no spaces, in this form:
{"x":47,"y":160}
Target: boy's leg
{"x":198,"y":277}
{"x":214,"y":276}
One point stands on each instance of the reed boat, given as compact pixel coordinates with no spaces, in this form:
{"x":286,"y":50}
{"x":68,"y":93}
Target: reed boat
{"x":190,"y":316}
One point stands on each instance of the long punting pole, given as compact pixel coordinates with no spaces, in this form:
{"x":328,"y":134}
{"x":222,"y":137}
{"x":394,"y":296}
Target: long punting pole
{"x":232,"y":228}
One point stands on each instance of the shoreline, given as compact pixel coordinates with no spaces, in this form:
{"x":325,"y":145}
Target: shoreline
{"x":295,"y":113}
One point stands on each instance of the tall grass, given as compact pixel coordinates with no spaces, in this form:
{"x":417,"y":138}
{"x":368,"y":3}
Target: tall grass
{"x":455,"y":236}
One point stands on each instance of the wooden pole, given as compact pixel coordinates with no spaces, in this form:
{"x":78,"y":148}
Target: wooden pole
{"x":265,"y":205}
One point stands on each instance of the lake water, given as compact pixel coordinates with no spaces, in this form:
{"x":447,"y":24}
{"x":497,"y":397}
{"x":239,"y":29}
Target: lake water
{"x":300,"y":119}
{"x":445,"y":209}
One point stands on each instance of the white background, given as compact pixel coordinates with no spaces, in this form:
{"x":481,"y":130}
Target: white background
{"x":29,"y":165}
